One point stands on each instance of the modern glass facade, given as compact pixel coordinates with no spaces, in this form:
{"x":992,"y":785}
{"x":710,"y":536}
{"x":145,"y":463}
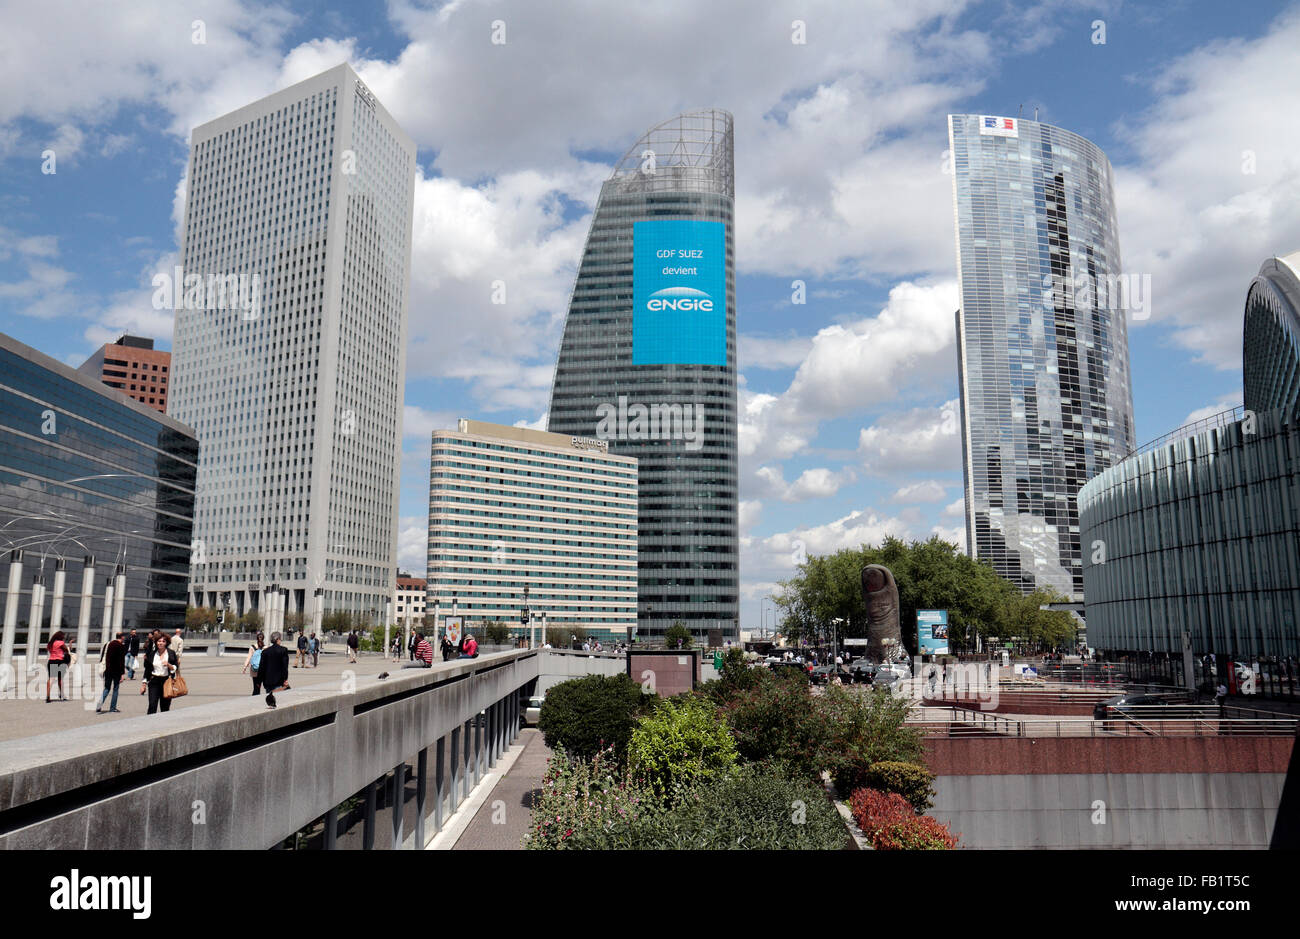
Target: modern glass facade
{"x":85,"y":472}
{"x":1042,"y":341}
{"x":511,"y":508}
{"x":1200,"y":533}
{"x":290,"y":347}
{"x":648,"y":363}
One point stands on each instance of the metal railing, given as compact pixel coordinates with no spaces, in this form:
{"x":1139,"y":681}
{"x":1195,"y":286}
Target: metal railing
{"x":963,"y":723}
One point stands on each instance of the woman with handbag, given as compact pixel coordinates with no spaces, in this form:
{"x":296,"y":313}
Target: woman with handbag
{"x":253,"y":662}
{"x":57,"y":665}
{"x":160,"y":664}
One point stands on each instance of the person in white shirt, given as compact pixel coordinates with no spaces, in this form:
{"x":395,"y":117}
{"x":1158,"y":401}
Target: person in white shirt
{"x":178,"y":643}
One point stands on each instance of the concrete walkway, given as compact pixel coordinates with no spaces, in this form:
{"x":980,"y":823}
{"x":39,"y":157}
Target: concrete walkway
{"x":24,"y":713}
{"x":504,"y":817}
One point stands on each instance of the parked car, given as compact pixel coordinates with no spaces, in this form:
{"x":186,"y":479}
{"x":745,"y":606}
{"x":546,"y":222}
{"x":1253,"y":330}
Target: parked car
{"x":862,"y":671}
{"x":533,"y":713}
{"x":822,"y":674}
{"x":1121,"y":702}
{"x":897,"y":669}
{"x":780,"y":667}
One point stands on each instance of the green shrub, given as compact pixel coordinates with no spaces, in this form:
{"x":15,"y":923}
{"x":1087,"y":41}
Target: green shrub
{"x":778,"y":721}
{"x":910,"y":780}
{"x":918,"y":833}
{"x":586,"y":715}
{"x":681,"y":742}
{"x":744,"y":811}
{"x":862,"y":730}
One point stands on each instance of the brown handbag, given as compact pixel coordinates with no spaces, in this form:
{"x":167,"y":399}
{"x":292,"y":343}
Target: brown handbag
{"x":175,"y":686}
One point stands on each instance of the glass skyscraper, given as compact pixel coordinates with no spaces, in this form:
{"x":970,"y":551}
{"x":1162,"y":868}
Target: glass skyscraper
{"x":96,"y":500}
{"x":289,"y":354}
{"x":648,"y":363}
{"x":1042,"y":341}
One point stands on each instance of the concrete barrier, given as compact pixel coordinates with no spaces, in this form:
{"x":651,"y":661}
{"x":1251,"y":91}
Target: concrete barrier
{"x":235,"y":774}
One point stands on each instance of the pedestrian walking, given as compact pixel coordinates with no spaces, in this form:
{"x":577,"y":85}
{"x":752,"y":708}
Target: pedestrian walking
{"x":253,"y":662}
{"x":177,"y":643}
{"x":313,"y":647}
{"x":114,"y":666}
{"x":274,"y":669}
{"x":132,"y":650}
{"x":353,"y":644}
{"x":411,"y":644}
{"x":56,"y":665}
{"x":160,"y":663}
{"x":302,"y":650}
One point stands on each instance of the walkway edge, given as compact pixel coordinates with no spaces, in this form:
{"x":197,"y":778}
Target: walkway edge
{"x":446,"y":839}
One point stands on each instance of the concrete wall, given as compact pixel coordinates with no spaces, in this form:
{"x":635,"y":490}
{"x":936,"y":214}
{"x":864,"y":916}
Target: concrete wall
{"x":1109,"y":792}
{"x":1142,"y":810}
{"x":259,"y":774}
{"x":557,"y":665}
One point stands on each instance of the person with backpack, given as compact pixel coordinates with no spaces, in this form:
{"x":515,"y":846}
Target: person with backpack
{"x":253,"y":662}
{"x":353,"y":644}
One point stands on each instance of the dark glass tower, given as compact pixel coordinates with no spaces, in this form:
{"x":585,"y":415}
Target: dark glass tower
{"x":648,"y":362}
{"x":1042,"y":341}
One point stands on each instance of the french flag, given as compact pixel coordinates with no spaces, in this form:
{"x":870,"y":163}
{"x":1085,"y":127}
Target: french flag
{"x":1007,"y":123}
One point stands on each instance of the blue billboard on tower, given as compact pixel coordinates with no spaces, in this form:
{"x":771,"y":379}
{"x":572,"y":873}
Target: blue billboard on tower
{"x":679,"y":293}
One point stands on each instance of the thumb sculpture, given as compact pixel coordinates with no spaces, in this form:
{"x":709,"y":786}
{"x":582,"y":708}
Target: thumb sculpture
{"x":880,"y":595}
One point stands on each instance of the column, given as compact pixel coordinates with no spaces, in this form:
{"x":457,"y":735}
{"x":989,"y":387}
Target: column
{"x":455,"y":770}
{"x":12,"y":593}
{"x":106,"y":622}
{"x":421,"y":788}
{"x":35,"y":620}
{"x":56,"y":598}
{"x":399,"y":792}
{"x":87,"y":604}
{"x":119,"y":601}
{"x":480,"y":759}
{"x":439,"y":783}
{"x":469,"y":757}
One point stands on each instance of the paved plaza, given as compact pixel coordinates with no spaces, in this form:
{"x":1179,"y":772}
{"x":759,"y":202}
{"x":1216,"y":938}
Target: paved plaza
{"x":24,"y":713}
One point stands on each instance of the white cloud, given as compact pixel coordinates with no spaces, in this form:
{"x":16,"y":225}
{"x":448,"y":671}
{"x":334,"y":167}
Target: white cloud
{"x":1225,"y":403}
{"x":421,"y":423}
{"x":920,"y":492}
{"x":921,"y":439}
{"x":539,"y":424}
{"x":750,"y":510}
{"x":955,"y":509}
{"x":818,"y":483}
{"x":776,"y":557}
{"x":1216,"y":188}
{"x":413,"y":544}
{"x":852,"y":365}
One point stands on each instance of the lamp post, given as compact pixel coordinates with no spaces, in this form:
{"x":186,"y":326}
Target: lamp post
{"x":524,"y":618}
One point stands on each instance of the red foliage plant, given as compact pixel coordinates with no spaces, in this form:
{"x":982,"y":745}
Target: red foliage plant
{"x":874,"y":810}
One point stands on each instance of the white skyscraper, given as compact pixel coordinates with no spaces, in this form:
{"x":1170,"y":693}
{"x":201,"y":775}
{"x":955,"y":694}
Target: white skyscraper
{"x":289,"y":350}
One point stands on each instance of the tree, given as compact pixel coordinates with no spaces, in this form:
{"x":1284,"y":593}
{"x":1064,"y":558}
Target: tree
{"x":251,"y":621}
{"x":561,"y":637}
{"x":677,"y":636}
{"x":496,"y":633}
{"x":930,"y":574}
{"x":586,"y":715}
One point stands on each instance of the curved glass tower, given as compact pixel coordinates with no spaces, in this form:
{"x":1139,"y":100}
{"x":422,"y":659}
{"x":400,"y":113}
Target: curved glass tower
{"x":648,"y":363}
{"x":1042,"y":341}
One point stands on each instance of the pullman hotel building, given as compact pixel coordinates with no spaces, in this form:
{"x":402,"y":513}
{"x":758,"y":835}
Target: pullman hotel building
{"x":511,"y":508}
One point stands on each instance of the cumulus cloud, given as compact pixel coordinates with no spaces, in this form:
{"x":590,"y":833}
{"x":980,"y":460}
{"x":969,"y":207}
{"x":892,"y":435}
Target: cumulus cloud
{"x":920,"y":492}
{"x":413,"y":544}
{"x":818,"y":483}
{"x":920,"y":439}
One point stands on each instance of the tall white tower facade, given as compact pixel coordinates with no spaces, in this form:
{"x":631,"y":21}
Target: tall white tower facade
{"x":288,"y":357}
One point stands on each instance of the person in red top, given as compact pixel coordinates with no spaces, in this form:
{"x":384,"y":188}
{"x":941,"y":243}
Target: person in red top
{"x":423,"y":653}
{"x":57,"y":650}
{"x":469,"y":648}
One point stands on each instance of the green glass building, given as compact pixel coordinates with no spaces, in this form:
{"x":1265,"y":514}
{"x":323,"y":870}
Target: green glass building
{"x":647,"y":363}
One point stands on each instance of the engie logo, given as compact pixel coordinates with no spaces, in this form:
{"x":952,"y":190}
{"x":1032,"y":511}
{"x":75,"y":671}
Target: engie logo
{"x":75,"y":892}
{"x":680,"y":298}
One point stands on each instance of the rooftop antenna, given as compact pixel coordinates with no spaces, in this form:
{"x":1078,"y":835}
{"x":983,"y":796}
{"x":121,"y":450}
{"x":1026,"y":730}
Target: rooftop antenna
{"x":1021,"y":112}
{"x":1035,"y":113}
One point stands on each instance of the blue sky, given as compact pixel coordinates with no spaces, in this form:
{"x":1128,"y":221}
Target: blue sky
{"x":840,"y":144}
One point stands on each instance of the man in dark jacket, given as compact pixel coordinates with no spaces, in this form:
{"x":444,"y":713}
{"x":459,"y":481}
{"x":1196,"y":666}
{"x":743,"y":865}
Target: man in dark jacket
{"x":448,"y":650}
{"x":274,"y":669}
{"x":132,"y":650}
{"x":114,"y":666}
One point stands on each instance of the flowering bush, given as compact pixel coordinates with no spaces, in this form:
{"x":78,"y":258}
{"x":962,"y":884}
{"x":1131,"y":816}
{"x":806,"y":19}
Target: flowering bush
{"x":874,"y":810}
{"x":583,"y":800}
{"x":918,"y":833}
